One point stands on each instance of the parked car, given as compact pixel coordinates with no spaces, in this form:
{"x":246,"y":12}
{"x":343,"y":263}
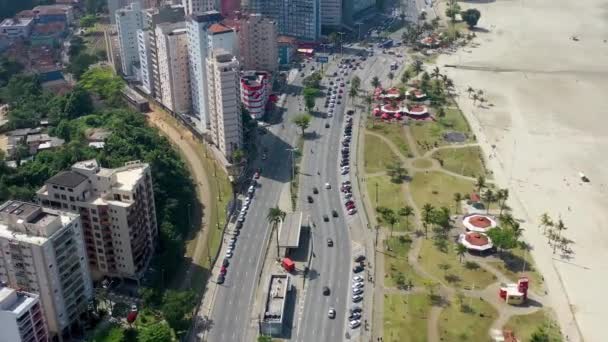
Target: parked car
{"x":358,"y":285}
{"x":357,"y":298}
{"x":352,"y":211}
{"x":357,"y":278}
{"x":220,"y":279}
{"x":357,"y":291}
{"x":360,"y":258}
{"x":358,"y":269}
{"x":354,"y":315}
{"x":354,"y":324}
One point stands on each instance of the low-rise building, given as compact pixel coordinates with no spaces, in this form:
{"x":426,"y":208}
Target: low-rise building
{"x":21,"y":316}
{"x":45,"y":14}
{"x":14,"y":28}
{"x":287,"y":48}
{"x":255,"y":91}
{"x":273,"y":317}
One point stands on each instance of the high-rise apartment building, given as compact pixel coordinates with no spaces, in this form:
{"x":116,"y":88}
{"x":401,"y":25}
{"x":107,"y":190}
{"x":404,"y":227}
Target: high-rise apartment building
{"x":42,"y":251}
{"x":173,"y":66}
{"x":21,"y":316}
{"x":153,"y":17}
{"x":113,"y":6}
{"x":296,"y":18}
{"x":229,"y":7}
{"x":198,"y":6}
{"x":224,"y":102}
{"x":331,"y":13}
{"x":258,"y":45}
{"x":255,"y":91}
{"x":128,"y":20}
{"x":117,"y":210}
{"x":145,"y":60}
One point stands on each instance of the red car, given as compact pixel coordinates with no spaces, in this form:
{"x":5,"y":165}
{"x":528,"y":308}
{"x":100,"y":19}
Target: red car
{"x":223,"y":270}
{"x":349,"y":202}
{"x":350,"y":207}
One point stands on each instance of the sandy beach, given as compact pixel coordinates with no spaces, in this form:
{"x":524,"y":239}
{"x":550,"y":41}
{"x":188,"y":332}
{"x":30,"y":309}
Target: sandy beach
{"x":546,"y":121}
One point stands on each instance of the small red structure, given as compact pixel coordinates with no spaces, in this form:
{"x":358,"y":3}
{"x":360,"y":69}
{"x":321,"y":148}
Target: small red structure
{"x":131,"y":317}
{"x":288,"y":265}
{"x":515,"y":294}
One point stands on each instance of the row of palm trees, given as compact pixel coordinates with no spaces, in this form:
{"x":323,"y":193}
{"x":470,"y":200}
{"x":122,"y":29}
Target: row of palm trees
{"x":553,"y":230}
{"x":476,"y":95}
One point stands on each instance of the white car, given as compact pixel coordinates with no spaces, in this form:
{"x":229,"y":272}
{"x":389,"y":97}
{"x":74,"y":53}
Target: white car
{"x":354,"y":323}
{"x":358,"y":285}
{"x":332,"y":105}
{"x":357,"y":279}
{"x":357,"y":291}
{"x":228,"y":254}
{"x":352,"y":211}
{"x":327,"y":186}
{"x":330,"y":115}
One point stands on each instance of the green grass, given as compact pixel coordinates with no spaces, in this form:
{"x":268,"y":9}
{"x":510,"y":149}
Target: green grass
{"x":525,"y":325}
{"x":422,"y":163}
{"x":515,"y":260}
{"x":396,"y":261}
{"x":471,"y":324}
{"x":390,"y":195}
{"x":457,"y":275}
{"x":405,"y":317}
{"x":437,"y":188}
{"x":393,"y":132}
{"x":429,"y":134}
{"x":377,"y":154}
{"x":466,"y":161}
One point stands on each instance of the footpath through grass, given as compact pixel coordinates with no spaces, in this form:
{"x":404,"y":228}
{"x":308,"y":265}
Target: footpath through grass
{"x":438,"y":188}
{"x":397,"y":270}
{"x":445,"y":265}
{"x":389,"y":195}
{"x":525,"y":325}
{"x":405,"y":317}
{"x":378,"y":155}
{"x":469,"y":321}
{"x":393,"y":132}
{"x":466,"y":161}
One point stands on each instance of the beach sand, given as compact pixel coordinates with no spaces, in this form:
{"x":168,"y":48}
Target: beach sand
{"x":547,"y":121}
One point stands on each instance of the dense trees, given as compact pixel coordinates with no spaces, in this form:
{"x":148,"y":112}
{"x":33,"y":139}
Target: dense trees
{"x":102,"y":82}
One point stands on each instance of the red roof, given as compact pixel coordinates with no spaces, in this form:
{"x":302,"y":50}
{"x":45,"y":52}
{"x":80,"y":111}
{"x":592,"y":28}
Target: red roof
{"x":219,"y":28}
{"x":480,"y":221}
{"x":286,"y":40}
{"x":477,"y":239}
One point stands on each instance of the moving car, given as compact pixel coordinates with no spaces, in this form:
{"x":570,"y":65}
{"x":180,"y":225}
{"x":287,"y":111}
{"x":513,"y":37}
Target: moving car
{"x":334,"y":213}
{"x":315,"y":190}
{"x":326,"y":291}
{"x":331,"y":313}
{"x":330,"y":242}
{"x":310,"y":200}
{"x":325,"y":218}
{"x":327,"y":186}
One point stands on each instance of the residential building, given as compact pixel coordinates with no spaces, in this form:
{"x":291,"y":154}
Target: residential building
{"x":145,"y":60}
{"x":224,"y":102}
{"x":331,"y":13}
{"x":14,"y":28}
{"x":286,"y":48}
{"x":21,"y":316}
{"x":117,"y":210}
{"x":128,"y":21}
{"x":153,"y":17}
{"x":297,"y":18}
{"x":114,"y":5}
{"x":42,"y":251}
{"x":198,"y":6}
{"x":258,"y":43}
{"x":229,"y":7}
{"x":45,"y":14}
{"x":255,"y":91}
{"x":173,"y":66}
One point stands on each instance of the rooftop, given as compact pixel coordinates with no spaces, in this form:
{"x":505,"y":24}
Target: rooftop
{"x":15,"y":301}
{"x":290,"y":229}
{"x":69,"y":179}
{"x":477,"y":239}
{"x":275,"y":300}
{"x":11,"y":22}
{"x":219,"y":28}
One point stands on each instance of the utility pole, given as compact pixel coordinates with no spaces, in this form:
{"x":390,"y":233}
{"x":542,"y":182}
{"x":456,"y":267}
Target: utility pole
{"x":376,"y":194}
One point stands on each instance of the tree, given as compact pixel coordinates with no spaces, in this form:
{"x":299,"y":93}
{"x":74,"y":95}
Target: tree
{"x":540,"y":335}
{"x":481,"y":183}
{"x":238,"y":155}
{"x":452,"y":9}
{"x":405,"y":77}
{"x":441,"y":112}
{"x":471,"y":17}
{"x":502,"y":238}
{"x":176,"y":306}
{"x":353,"y":93}
{"x":274,"y":217}
{"x":103,"y":82}
{"x":461,"y":250}
{"x":375,"y":82}
{"x":470,"y":90}
{"x":155,"y":332}
{"x":388,"y":216}
{"x":441,"y":218}
{"x":396,"y":171}
{"x":436,"y":73}
{"x":80,"y":63}
{"x":263,"y":338}
{"x":545,"y":222}
{"x":559,"y":228}
{"x":406,"y":212}
{"x":310,"y":94}
{"x":501,"y":196}
{"x":302,"y":120}
{"x":417,"y":66}
{"x":427,"y":217}
{"x":457,"y":199}
{"x":88,"y":20}
{"x":488,"y":197}
{"x":391,"y":76}
{"x":313,"y":80}
{"x":355,"y":82}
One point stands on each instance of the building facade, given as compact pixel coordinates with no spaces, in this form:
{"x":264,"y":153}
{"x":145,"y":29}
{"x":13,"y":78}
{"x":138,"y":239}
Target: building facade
{"x":255,"y":91}
{"x":115,"y":5}
{"x":173,"y":66}
{"x":198,"y":6}
{"x":229,"y":7}
{"x":224,"y":102}
{"x":117,"y":210}
{"x":21,"y":316}
{"x":128,"y":21}
{"x":296,"y":18}
{"x":14,"y":28}
{"x":145,"y":60}
{"x":153,"y":17}
{"x":331,"y":13}
{"x":258,"y":45}
{"x":42,"y":251}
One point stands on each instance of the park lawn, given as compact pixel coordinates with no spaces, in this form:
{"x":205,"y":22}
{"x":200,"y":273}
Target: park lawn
{"x":396,"y":261}
{"x":378,"y":155}
{"x":422,"y":163}
{"x":466,"y":161}
{"x":471,"y":325}
{"x":405,"y":317}
{"x":429,"y":134}
{"x":390,"y":195}
{"x":394,"y":132}
{"x":512,"y":267}
{"x":437,"y":188}
{"x":457,"y":275}
{"x":525,"y":325}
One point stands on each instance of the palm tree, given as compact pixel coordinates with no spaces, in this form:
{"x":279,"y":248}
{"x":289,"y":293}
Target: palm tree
{"x":406,"y":212}
{"x":436,"y":73}
{"x":274,"y":216}
{"x":470,"y":90}
{"x":388,"y":216}
{"x":353,"y":93}
{"x":475,"y":98}
{"x":480,"y":93}
{"x":461,"y":250}
{"x":501,"y":197}
{"x":457,"y":200}
{"x":375,"y":82}
{"x":405,"y":77}
{"x":449,"y":84}
{"x":481,"y":182}
{"x":545,"y":222}
{"x":559,"y":227}
{"x":489,"y":197}
{"x":507,"y":220}
{"x":427,"y":217}
{"x":417,"y":66}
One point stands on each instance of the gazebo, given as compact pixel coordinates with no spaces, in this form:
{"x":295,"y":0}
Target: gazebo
{"x":416,"y":110}
{"x":479,"y":223}
{"x":474,"y":241}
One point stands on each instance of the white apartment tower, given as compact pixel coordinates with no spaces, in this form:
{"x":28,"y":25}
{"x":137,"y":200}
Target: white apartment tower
{"x":42,"y":251}
{"x":21,"y":316}
{"x":205,"y":33}
{"x":258,"y":43}
{"x":117,"y":210}
{"x":145,"y":60}
{"x":224,"y":102}
{"x":128,"y":21}
{"x":197,"y":6}
{"x":173,"y":66}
